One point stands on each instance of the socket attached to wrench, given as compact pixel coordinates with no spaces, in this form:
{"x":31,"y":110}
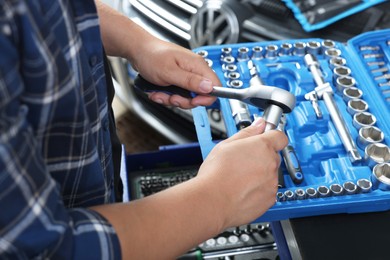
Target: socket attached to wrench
{"x":324,"y":91}
{"x":272,"y":100}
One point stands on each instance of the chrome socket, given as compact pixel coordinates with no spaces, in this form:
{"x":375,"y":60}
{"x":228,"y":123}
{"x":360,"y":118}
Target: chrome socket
{"x":332,"y":52}
{"x":209,"y":62}
{"x":345,"y":82}
{"x":381,"y":176}
{"x":364,"y":185}
{"x":226,"y":52}
{"x":313,"y":47}
{"x":323,"y":191}
{"x":341,"y":71}
{"x":299,"y":48}
{"x":376,"y":153}
{"x":257,"y":53}
{"x":271,"y":51}
{"x":349,"y":187}
{"x":356,"y":105}
{"x":235,"y":83}
{"x":228,"y":60}
{"x":229,"y":67}
{"x":202,"y":53}
{"x":336,"y":62}
{"x":311,"y":193}
{"x":243,"y":54}
{"x":363,"y":119}
{"x":328,"y":44}
{"x":351,"y":93}
{"x":289,"y":194}
{"x":300,"y":194}
{"x":336,"y":189}
{"x":285,"y":49}
{"x":369,"y":135}
{"x":280,"y":196}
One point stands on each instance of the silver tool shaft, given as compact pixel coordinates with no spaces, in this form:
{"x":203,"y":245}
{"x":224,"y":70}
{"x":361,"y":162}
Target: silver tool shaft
{"x":324,"y":91}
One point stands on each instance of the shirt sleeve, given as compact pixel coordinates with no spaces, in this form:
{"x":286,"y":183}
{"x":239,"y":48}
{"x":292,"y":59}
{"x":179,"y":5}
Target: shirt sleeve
{"x":34,"y":223}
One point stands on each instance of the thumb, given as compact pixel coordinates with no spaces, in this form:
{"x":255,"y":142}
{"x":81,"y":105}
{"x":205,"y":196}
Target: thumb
{"x":256,"y":128}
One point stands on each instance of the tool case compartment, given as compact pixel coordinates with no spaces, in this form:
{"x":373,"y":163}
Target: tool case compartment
{"x":319,"y":149}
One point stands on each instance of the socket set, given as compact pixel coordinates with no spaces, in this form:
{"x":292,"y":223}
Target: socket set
{"x":315,"y":15}
{"x":338,"y":156}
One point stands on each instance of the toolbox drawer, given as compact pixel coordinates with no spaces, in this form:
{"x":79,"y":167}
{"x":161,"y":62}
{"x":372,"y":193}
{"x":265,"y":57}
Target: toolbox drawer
{"x":361,"y":94}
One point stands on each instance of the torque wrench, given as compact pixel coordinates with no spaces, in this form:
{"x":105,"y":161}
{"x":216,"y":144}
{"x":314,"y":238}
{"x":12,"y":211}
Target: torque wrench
{"x":324,"y":91}
{"x":290,"y":157}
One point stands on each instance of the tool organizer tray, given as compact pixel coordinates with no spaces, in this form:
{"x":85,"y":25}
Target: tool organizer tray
{"x":358,"y":73}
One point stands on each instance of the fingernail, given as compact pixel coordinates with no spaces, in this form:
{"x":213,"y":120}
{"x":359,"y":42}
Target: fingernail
{"x":159,"y":101}
{"x":258,"y":121}
{"x":206,"y":86}
{"x":176,"y":104}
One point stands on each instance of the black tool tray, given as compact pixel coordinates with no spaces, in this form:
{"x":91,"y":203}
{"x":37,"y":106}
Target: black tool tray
{"x":325,"y":163}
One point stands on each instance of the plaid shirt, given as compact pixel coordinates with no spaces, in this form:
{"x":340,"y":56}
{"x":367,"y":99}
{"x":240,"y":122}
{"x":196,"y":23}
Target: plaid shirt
{"x":55,"y":149}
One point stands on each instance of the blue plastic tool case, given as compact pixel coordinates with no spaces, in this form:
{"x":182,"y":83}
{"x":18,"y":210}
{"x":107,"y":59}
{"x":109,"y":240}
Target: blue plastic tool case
{"x":319,"y":149}
{"x":314,"y":15}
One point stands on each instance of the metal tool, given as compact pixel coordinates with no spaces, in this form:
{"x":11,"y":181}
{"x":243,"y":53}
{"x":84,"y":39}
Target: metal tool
{"x":311,"y":193}
{"x":323,"y":191}
{"x":356,"y":105}
{"x":369,"y":135}
{"x":381,"y":176}
{"x":364,"y":185}
{"x":351,"y":93}
{"x":240,"y":113}
{"x":362,"y":119}
{"x":345,"y":82}
{"x":336,"y":189}
{"x":274,"y":101}
{"x":324,"y":91}
{"x":290,"y":157}
{"x":376,"y":153}
{"x":300,"y":194}
{"x":350,"y":187}
{"x":257,"y":53}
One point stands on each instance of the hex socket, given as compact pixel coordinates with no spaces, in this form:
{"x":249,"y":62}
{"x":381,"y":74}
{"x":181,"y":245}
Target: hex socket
{"x":257,"y":53}
{"x":369,"y":135}
{"x":285,"y":49}
{"x":323,"y":191}
{"x":381,"y":176}
{"x":351,"y":93}
{"x":356,"y":105}
{"x":229,"y":67}
{"x":349,"y":187}
{"x":202,"y":53}
{"x":235,"y":83}
{"x":326,"y":44}
{"x":243,"y":54}
{"x":332,"y":52}
{"x":226,"y":52}
{"x":336,"y":62}
{"x":299,"y":48}
{"x":289,"y":194}
{"x":311,"y":193}
{"x":313,"y":47}
{"x":363,"y":119}
{"x":364,"y":185}
{"x":300,"y":194}
{"x":271,"y":51}
{"x":228,"y":60}
{"x":280,"y":196}
{"x":336,"y":189}
{"x":341,"y":71}
{"x":376,"y":153}
{"x":344,"y":82}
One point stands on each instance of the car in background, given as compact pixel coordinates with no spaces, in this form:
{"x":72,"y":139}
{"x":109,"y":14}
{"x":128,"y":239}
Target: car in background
{"x":195,"y":23}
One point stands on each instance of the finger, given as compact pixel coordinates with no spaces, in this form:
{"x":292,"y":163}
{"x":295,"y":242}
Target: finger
{"x":256,"y":128}
{"x":279,"y":139}
{"x":202,"y":100}
{"x":195,"y":75}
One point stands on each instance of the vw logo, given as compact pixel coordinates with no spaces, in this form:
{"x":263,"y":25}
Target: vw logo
{"x":214,"y":23}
